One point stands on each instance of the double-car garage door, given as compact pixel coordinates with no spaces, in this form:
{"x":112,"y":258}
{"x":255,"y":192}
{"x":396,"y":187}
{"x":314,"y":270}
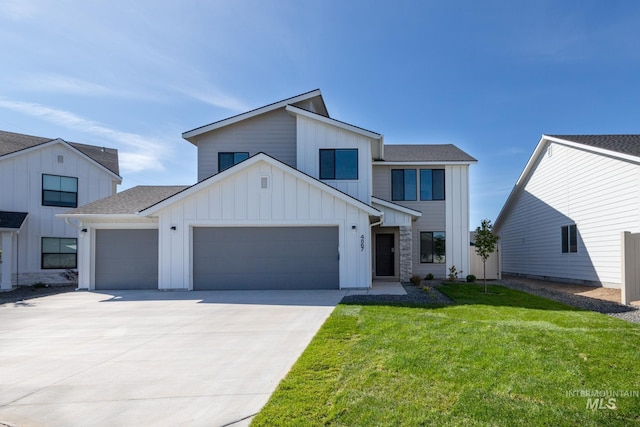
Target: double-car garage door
{"x":265,"y":258}
{"x":225,"y":258}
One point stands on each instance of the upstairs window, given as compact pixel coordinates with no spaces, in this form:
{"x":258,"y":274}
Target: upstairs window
{"x":403,"y":184}
{"x":59,"y":191}
{"x":226,"y":160}
{"x":569,"y":239}
{"x":339,"y":163}
{"x":431,"y":184}
{"x":59,"y":253}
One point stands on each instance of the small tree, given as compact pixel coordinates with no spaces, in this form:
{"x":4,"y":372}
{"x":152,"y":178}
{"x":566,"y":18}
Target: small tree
{"x":485,"y":245}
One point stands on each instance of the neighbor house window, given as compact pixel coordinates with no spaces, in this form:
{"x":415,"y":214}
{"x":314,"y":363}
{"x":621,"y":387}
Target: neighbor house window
{"x":59,"y":252}
{"x":226,"y":160}
{"x":404,"y":184}
{"x":339,"y":163}
{"x":432,"y":247}
{"x":59,"y":191}
{"x":569,"y":238}
{"x":431,"y":184}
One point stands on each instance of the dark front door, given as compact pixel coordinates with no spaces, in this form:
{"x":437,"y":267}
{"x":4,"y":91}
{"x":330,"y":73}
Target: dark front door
{"x":385,"y":252}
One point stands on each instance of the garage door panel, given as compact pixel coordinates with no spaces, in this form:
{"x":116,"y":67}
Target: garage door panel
{"x":265,"y":258}
{"x":126,"y":259}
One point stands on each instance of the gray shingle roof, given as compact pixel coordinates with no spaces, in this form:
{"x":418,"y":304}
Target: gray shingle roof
{"x":129,"y":201}
{"x":12,"y":220}
{"x":425,"y":153}
{"x":625,"y":144}
{"x":13,"y":142}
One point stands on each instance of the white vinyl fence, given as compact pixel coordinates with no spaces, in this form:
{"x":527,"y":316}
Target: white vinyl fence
{"x":493,"y":264}
{"x":630,"y":286}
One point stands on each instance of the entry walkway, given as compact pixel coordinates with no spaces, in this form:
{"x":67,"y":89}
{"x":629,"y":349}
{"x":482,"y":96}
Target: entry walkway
{"x":380,"y":288}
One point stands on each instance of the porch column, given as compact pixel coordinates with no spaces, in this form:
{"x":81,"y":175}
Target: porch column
{"x":7,"y":260}
{"x":406,"y":255}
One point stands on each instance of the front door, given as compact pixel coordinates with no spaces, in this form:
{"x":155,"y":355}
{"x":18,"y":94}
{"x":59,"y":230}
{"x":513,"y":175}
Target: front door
{"x":385,"y":254}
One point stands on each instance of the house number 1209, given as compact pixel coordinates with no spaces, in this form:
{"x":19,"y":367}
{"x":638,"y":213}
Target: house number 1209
{"x":361,"y":242}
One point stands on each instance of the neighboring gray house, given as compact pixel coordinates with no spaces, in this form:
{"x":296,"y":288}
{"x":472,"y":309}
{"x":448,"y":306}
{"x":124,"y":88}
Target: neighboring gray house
{"x":40,"y":178}
{"x":565,"y":216}
{"x":287,"y":198}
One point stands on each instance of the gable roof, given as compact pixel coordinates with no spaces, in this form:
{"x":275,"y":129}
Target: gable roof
{"x":11,"y":143}
{"x":128,"y":202}
{"x":314,"y":96}
{"x":12,"y":220}
{"x":408,"y":153}
{"x":624,"y":147}
{"x":623,"y":144}
{"x":186,"y":192}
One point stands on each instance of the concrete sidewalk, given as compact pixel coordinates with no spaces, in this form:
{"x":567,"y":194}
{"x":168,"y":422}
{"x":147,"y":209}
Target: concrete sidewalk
{"x":151,"y":358}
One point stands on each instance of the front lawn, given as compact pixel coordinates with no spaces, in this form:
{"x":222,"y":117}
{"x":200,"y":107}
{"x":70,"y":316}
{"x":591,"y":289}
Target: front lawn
{"x":504,"y":358}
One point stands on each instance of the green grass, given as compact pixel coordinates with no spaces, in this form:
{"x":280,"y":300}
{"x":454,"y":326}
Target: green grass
{"x":499,"y":359}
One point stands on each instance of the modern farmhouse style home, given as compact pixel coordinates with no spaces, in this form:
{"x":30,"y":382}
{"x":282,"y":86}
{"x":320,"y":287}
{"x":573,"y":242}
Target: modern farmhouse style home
{"x":40,"y":178}
{"x":287,"y":198}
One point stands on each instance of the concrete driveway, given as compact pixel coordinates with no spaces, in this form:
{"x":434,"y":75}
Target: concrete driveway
{"x":149,"y":357}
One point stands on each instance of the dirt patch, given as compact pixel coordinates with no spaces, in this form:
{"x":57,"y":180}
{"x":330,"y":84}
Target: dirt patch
{"x":606,"y":294}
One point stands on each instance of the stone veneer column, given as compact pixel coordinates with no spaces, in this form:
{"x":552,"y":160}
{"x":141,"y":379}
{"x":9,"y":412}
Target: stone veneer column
{"x":406,"y":253}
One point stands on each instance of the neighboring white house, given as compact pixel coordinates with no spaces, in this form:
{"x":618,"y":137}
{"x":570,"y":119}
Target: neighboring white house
{"x":40,"y":178}
{"x":287,"y":198}
{"x":565,"y":216}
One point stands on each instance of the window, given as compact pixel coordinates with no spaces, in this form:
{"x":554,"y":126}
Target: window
{"x":59,"y":252}
{"x":403,"y":184}
{"x":569,"y":238}
{"x":431,"y":184}
{"x":432,"y":247}
{"x":339,"y":163}
{"x":226,"y":160}
{"x":59,"y":191}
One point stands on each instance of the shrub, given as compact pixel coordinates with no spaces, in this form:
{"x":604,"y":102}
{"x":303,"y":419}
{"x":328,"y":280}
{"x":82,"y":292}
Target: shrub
{"x":416,"y":280}
{"x":453,"y":273}
{"x":471,"y":278}
{"x":429,"y":277}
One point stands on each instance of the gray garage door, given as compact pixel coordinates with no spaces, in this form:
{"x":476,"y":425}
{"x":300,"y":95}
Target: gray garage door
{"x":126,"y":259}
{"x":265,"y":258}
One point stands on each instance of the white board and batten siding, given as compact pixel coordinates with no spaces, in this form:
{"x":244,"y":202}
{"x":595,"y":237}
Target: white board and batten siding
{"x":600,"y":194}
{"x":450,"y":215}
{"x":273,"y":133}
{"x":21,"y":191}
{"x":314,"y":135}
{"x":239,"y":200}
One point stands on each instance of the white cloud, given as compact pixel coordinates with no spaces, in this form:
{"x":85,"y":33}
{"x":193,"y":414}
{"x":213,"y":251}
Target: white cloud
{"x":138,"y":153}
{"x":59,"y":83}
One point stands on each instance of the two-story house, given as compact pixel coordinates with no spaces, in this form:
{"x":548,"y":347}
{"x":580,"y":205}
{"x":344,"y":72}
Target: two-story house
{"x":40,"y":178}
{"x":287,"y":198}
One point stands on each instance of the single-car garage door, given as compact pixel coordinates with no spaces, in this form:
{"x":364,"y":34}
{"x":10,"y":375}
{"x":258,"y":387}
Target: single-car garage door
{"x":126,"y":259}
{"x":265,"y":258}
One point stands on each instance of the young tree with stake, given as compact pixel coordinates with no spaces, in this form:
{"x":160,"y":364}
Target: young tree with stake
{"x":485,"y":245}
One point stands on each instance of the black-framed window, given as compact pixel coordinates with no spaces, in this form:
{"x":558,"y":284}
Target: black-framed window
{"x":59,"y":191}
{"x":226,"y":160}
{"x":341,"y":163}
{"x":569,"y":238}
{"x":59,"y":252}
{"x":432,"y":247}
{"x":431,"y":184}
{"x":404,"y":184}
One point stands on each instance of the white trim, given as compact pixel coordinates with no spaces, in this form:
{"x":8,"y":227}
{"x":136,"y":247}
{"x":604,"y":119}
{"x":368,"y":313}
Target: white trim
{"x":91,"y":217}
{"x":260,"y":157}
{"x":240,"y":117}
{"x":397,"y":207}
{"x":423,"y":163}
{"x":332,"y":122}
{"x":62,"y":141}
{"x":593,"y":149}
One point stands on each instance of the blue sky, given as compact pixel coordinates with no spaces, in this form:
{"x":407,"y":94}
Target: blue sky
{"x":488,"y":76}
